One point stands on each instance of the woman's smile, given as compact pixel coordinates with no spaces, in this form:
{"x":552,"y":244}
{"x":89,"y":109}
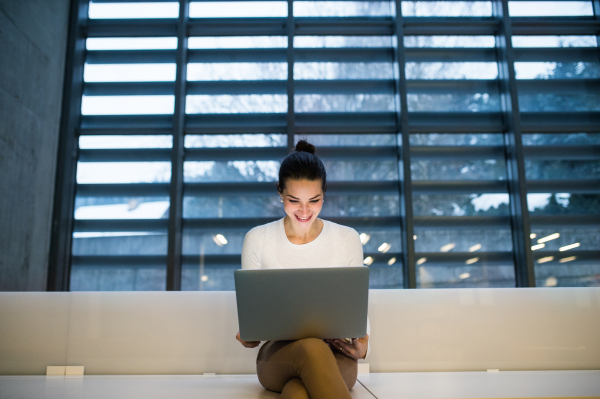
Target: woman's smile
{"x":303,"y":219}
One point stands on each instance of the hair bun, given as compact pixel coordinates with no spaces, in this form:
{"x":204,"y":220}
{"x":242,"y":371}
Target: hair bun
{"x":305,"y":146}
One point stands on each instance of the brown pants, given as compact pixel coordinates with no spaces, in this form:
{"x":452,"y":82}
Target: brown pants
{"x":307,"y":368}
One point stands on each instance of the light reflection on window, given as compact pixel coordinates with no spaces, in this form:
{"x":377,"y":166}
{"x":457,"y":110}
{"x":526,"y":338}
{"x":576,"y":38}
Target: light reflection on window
{"x":127,"y":105}
{"x":133,"y":10}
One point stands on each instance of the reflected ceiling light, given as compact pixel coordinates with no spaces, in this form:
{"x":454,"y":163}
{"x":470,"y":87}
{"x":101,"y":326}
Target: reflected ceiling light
{"x":391,"y":261}
{"x":368,"y":260}
{"x":204,"y":278}
{"x":471,"y":261}
{"x":549,"y":238}
{"x":536,"y":247}
{"x":569,"y":259}
{"x":220,"y":239}
{"x":567,"y":247}
{"x":546,"y":259}
{"x":364,"y":238}
{"x":415,"y":237}
{"x":465,"y":275}
{"x":384,"y":247}
{"x":532,"y":235}
{"x":447,"y":247}
{"x":475,"y":247}
{"x":551,"y":282}
{"x":421,"y":261}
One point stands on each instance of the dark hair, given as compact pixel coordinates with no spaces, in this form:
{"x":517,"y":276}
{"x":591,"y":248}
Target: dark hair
{"x":302,"y":164}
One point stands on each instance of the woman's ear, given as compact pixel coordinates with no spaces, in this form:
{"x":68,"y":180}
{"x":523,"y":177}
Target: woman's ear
{"x":279,"y":190}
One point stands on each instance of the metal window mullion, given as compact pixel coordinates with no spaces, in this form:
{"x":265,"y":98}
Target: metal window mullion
{"x":177,"y":155}
{"x":59,"y":267}
{"x":290,"y":28}
{"x":515,"y":165}
{"x":403,"y":142}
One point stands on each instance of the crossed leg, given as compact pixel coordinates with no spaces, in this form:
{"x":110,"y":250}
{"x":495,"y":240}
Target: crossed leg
{"x":306,"y":368}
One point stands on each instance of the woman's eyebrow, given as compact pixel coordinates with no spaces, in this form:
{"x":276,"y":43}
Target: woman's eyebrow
{"x":291,"y":196}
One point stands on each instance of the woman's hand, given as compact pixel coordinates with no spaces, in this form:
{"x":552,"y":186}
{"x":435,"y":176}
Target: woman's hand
{"x":357,"y":349}
{"x":247,"y":344}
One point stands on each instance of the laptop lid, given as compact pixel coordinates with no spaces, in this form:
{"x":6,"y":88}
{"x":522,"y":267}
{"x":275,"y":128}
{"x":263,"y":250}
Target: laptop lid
{"x":290,"y":304}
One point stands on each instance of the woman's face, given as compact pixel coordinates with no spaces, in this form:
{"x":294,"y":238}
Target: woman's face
{"x":302,"y":201}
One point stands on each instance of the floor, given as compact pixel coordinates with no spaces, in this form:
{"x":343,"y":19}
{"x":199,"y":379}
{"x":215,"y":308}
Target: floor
{"x":549,"y":384}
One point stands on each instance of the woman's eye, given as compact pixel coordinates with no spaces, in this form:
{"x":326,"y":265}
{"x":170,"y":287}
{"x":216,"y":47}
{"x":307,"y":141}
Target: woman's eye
{"x":314,"y":201}
{"x":294,"y":201}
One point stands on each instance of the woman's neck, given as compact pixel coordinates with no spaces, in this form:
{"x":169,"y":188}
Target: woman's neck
{"x":303,"y":236}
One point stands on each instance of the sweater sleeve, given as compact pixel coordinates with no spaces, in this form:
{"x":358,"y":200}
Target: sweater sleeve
{"x":354,"y":249}
{"x":251,"y":250}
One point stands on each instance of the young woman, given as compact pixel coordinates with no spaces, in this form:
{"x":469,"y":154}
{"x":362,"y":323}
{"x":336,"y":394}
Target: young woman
{"x":309,"y":367}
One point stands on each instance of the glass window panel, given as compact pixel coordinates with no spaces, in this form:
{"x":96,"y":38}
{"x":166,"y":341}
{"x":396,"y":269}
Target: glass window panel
{"x":444,"y":139}
{"x":342,"y":41}
{"x":232,"y":206}
{"x":231,"y":171}
{"x":563,"y":204}
{"x":343,"y":70}
{"x":127,"y":105}
{"x":452,"y":240}
{"x":559,"y":102}
{"x":570,"y":273}
{"x":487,"y":204}
{"x":549,"y":8}
{"x":344,"y":103}
{"x":122,"y":208}
{"x":133,"y":10}
{"x":361,"y":170}
{"x":342,"y":8}
{"x":123,"y":172}
{"x":110,"y":278}
{"x":237,"y":9}
{"x":237,"y":42}
{"x":208,"y":277}
{"x":557,"y":70}
{"x":549,"y":169}
{"x":560,"y":259}
{"x":480,"y":169}
{"x":451,"y":102}
{"x":238,"y":71}
{"x":567,"y":240}
{"x":450,"y":41}
{"x":131,"y":43}
{"x":360,"y":206}
{"x":119,"y":243}
{"x":477,"y":275}
{"x":348,"y":140}
{"x":129,"y":72}
{"x":451,"y":70}
{"x":105,"y":142}
{"x":236,"y":104}
{"x":446,"y":8}
{"x":554,"y":41}
{"x":561,"y":139}
{"x":235,"y":140}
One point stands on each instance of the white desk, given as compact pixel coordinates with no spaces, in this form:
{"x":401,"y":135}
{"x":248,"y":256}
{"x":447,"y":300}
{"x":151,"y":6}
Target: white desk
{"x":383,"y":386}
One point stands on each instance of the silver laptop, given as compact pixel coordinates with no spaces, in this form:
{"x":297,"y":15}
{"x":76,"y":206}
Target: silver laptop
{"x":290,"y":304}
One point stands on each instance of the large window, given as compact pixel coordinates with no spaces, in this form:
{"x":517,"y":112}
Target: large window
{"x":461,"y":138}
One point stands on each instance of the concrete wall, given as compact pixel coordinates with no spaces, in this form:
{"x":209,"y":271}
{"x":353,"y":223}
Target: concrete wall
{"x":33,"y":41}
